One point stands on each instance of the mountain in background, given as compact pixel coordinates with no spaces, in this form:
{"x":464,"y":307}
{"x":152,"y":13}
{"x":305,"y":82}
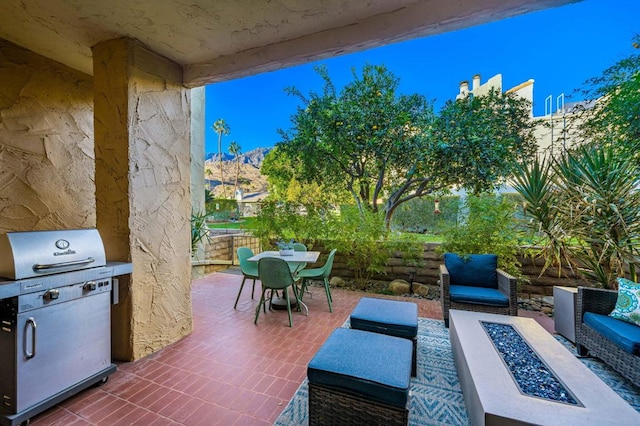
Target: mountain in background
{"x":254,"y":157}
{"x":249,"y":179}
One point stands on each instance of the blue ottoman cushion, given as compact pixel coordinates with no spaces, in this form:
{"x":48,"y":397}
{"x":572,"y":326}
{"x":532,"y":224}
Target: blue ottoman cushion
{"x":390,"y":317}
{"x":373,"y":365}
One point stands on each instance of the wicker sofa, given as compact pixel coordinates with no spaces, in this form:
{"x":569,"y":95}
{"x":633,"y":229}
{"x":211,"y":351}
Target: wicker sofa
{"x":615,"y":342}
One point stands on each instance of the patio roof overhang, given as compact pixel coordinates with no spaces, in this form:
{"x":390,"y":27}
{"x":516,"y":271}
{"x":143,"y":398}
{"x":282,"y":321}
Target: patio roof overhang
{"x":220,"y":40}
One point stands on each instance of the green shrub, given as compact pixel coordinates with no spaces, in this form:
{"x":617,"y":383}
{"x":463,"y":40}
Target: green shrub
{"x":489,"y":226}
{"x":360,"y":239}
{"x":368,"y":244}
{"x":222,"y":209}
{"x":290,"y":220}
{"x":364,"y":239}
{"x":587,"y":203}
{"x":535,"y":184}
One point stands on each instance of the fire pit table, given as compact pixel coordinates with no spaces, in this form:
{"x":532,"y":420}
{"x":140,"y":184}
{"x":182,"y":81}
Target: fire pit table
{"x":499,"y":388}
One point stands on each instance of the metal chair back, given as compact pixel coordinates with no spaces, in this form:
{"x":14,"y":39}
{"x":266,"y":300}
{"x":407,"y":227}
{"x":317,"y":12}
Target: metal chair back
{"x":326,"y":269}
{"x":274,"y":273}
{"x":247,"y":268}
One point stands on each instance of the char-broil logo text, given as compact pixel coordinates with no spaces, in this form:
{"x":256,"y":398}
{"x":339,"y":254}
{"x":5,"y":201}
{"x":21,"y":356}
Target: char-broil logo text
{"x":62,"y":245}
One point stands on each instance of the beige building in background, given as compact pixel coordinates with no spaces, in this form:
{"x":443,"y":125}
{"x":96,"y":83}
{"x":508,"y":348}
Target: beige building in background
{"x":554,"y":131}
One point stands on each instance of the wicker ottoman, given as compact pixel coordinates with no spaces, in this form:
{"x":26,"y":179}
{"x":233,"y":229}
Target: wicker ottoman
{"x":360,"y":378}
{"x":391,"y":317}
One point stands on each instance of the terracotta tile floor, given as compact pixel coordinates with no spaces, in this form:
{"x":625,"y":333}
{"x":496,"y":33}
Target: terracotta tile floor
{"x":227,"y":372}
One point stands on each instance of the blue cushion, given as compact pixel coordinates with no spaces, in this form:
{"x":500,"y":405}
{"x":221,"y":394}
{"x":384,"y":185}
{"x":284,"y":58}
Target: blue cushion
{"x":390,"y":317}
{"x":478,"y":270}
{"x":477,"y":295}
{"x":622,"y":333}
{"x":372,"y":365}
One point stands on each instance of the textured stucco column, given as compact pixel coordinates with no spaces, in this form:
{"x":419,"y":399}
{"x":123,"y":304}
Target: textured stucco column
{"x":142,"y":130}
{"x":197,"y":158}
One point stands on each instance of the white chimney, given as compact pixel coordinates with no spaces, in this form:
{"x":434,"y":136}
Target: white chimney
{"x":476,"y":82}
{"x":464,"y":90}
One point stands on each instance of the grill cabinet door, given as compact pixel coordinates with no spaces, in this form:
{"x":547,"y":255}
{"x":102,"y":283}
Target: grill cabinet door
{"x":72,"y":343}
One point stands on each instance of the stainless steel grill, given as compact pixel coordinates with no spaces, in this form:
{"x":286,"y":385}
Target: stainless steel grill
{"x":55,"y":318}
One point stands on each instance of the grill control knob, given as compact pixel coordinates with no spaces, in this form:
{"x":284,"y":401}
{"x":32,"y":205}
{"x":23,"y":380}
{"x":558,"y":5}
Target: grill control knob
{"x":89,"y":286}
{"x":52,"y":294}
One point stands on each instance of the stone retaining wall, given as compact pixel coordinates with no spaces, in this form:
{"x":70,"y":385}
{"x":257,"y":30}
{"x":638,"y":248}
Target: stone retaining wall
{"x":428,"y":272}
{"x":221,"y":248}
{"x":220,"y":251}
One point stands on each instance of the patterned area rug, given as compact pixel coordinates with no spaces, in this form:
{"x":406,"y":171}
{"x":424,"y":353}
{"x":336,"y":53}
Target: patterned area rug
{"x":436,"y":397}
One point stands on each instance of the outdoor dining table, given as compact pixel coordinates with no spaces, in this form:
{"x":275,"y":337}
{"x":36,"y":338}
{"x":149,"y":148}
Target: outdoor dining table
{"x":296,"y":257}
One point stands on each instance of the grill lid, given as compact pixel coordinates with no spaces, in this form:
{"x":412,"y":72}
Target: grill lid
{"x":36,"y":253}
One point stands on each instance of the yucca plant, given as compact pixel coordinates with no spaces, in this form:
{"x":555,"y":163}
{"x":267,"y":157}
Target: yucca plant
{"x":199,"y":230}
{"x":586,"y":203}
{"x":535,"y":183}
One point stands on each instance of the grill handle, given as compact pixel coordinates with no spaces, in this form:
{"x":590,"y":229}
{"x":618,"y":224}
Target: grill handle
{"x":32,"y":323}
{"x":38,"y":267}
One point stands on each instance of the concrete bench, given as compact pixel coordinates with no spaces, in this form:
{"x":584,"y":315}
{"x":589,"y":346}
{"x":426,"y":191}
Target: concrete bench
{"x":492,"y":397}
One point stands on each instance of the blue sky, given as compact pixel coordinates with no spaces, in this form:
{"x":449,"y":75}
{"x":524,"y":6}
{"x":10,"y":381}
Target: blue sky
{"x":559,"y":48}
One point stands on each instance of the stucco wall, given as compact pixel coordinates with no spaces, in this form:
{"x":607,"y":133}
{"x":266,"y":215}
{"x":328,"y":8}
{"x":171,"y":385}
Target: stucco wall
{"x":46,"y":144}
{"x":142,"y":126}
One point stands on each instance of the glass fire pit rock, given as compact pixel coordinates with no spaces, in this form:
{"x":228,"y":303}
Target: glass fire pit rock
{"x":529,"y":372}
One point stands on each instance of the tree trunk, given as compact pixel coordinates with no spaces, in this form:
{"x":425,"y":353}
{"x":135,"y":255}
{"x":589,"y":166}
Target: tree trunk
{"x":224,"y":191}
{"x":235,"y":190}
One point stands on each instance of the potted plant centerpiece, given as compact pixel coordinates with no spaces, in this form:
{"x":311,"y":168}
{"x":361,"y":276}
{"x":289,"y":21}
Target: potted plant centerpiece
{"x":286,"y":248}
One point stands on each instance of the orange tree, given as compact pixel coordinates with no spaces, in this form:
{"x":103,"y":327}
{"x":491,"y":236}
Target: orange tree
{"x":377,"y":144}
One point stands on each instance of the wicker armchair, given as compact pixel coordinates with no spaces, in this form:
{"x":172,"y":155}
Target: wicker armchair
{"x":590,"y":341}
{"x":505,"y":284}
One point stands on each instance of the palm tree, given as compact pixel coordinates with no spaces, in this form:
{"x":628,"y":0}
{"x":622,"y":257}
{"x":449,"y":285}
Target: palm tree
{"x":234,"y":148}
{"x":209,"y":173}
{"x":221,"y":128}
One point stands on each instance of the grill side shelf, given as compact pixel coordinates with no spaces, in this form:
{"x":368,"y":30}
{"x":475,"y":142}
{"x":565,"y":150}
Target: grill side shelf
{"x":9,"y":289}
{"x":120,"y":268}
